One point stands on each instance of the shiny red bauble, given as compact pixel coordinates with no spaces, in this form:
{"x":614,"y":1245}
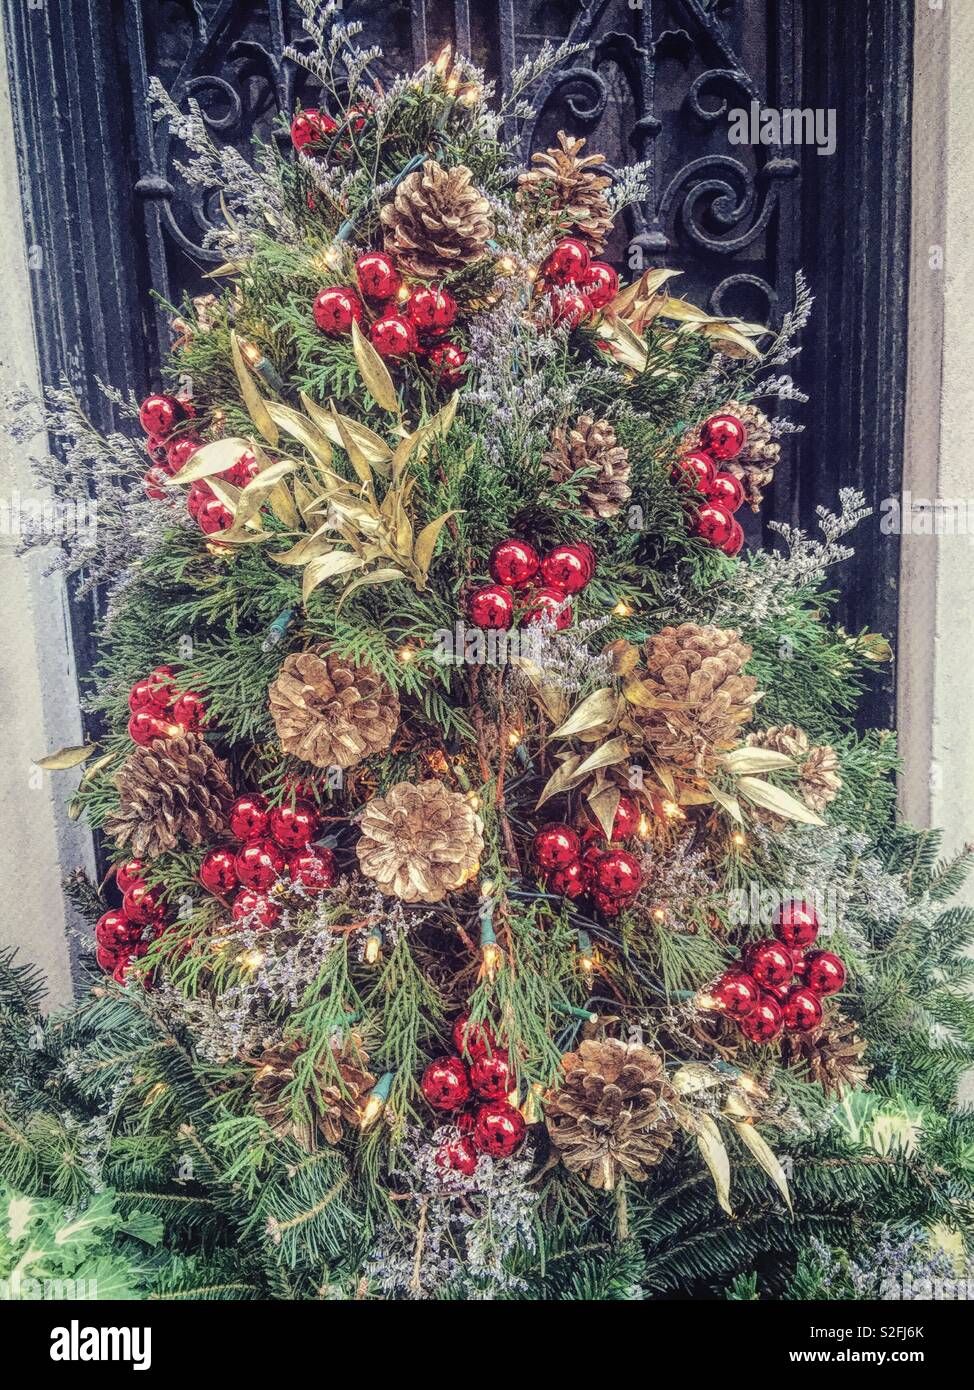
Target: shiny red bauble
{"x":802,"y":1010}
{"x":568,"y":568}
{"x":448,"y":364}
{"x":601,"y":284}
{"x":769,"y":962}
{"x":213,"y":517}
{"x":114,"y":930}
{"x":570,"y":881}
{"x":617,"y":874}
{"x":249,"y":817}
{"x":336,"y":309}
{"x":735,"y":540}
{"x":723,"y":436}
{"x":314,"y":869}
{"x":446,"y":1084}
{"x":180,"y":452}
{"x":589,"y":554}
{"x":144,"y":728}
{"x":218,"y":872}
{"x":555,"y":845}
{"x":499,"y":1130}
{"x":150,"y":696}
{"x":491,"y":607}
{"x":294,"y":826}
{"x":726,"y":490}
{"x":568,"y":263}
{"x":550,"y":603}
{"x":158,"y":450}
{"x":431,"y":310}
{"x":259,"y":864}
{"x":795,"y":923}
{"x":570,"y":307}
{"x":459,"y":1155}
{"x":311,"y":127}
{"x":199,"y":494}
{"x":715,"y":524}
{"x":159,"y":415}
{"x":393,"y":336}
{"x":128,"y":874}
{"x":377,"y":275}
{"x":255,"y":908}
{"x":491,"y":1077}
{"x":108,"y":958}
{"x":765,"y":1021}
{"x":735,"y":993}
{"x":242,"y":472}
{"x":513,"y":563}
{"x":154,"y":482}
{"x":142,"y":905}
{"x":625,"y":822}
{"x":607,"y":904}
{"x":823,"y":972}
{"x":189,"y":711}
{"x":473,"y":1040}
{"x":696,"y":468}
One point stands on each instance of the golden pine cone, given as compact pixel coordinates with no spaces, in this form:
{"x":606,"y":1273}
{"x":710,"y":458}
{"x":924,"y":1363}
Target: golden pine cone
{"x":331,"y":711}
{"x":756,"y":462}
{"x":694,"y":673}
{"x":819,"y":779}
{"x":328,"y":1105}
{"x":175,"y":790}
{"x":438,"y":221}
{"x":831,"y":1053}
{"x":612,"y":1116}
{"x":420,"y":841}
{"x":569,"y":181}
{"x":591,"y":444}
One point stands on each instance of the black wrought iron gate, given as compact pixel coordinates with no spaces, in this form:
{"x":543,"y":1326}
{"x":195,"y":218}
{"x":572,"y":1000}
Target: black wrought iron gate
{"x":109,"y":221}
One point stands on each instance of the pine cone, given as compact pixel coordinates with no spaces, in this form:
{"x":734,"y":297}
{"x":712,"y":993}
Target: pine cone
{"x":756,"y":462}
{"x":175,"y":789}
{"x":591,"y":444}
{"x":612,"y":1115}
{"x":420,"y":841}
{"x":437,"y":222}
{"x":331,"y":1105}
{"x":819,"y":780}
{"x":831,"y":1053}
{"x":331,"y":711}
{"x":695,"y":675}
{"x":568,"y":179}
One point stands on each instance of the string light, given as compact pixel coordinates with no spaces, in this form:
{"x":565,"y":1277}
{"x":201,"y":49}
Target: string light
{"x":251,"y":960}
{"x":672,"y":811}
{"x":375,"y":1102}
{"x":405,"y":655}
{"x":514,"y":737}
{"x":473,"y":801}
{"x":587,"y":959}
{"x":658,"y":915}
{"x":623,"y":609}
{"x":491,"y":955}
{"x":332,"y":258}
{"x":373,"y":946}
{"x":531,"y":1109}
{"x":643,"y":827}
{"x":505,"y":265}
{"x":739,"y":839}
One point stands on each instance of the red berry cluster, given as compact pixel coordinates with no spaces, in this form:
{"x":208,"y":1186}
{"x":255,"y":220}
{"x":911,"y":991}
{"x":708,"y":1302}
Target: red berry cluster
{"x":516,"y":568}
{"x":313,"y":129}
{"x":159,"y":710}
{"x":722,"y":438}
{"x":170,"y":455}
{"x":763,"y":996}
{"x":121,"y":933}
{"x":577,"y":286}
{"x":476,"y":1092}
{"x":417,"y":326}
{"x":269,"y":841}
{"x":575,"y":864}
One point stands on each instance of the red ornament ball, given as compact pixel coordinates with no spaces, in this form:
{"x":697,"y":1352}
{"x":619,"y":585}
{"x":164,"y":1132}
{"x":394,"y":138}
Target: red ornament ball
{"x":147,"y":695}
{"x":213,"y":517}
{"x":765,"y":1021}
{"x":218,"y":872}
{"x":377,"y":275}
{"x":314,"y":869}
{"x":570,"y":307}
{"x":589,"y":554}
{"x":448,"y":364}
{"x":617,"y":874}
{"x":568,"y":568}
{"x":723,"y":436}
{"x":180,"y":452}
{"x":568,"y":264}
{"x":336,"y":309}
{"x":715,"y":524}
{"x":726,"y":490}
{"x":114,"y":931}
{"x":735,"y":540}
{"x":142,"y":905}
{"x":294,"y":826}
{"x":802,"y":1010}
{"x":259,"y":864}
{"x":607,"y":904}
{"x":491,"y":1077}
{"x":446,"y":1084}
{"x":107,"y":958}
{"x":255,"y":906}
{"x":625,"y":822}
{"x":473,"y":1039}
{"x":601,"y":284}
{"x":769,"y":962}
{"x":199,"y":493}
{"x":555,"y":845}
{"x":431,"y":310}
{"x":248,"y":817}
{"x":242,"y":472}
{"x":499,"y":1130}
{"x":154,"y":481}
{"x":459,"y":1155}
{"x":735,"y":993}
{"x":513,"y":563}
{"x":311,"y":127}
{"x":189,"y":711}
{"x":128,"y":874}
{"x":393,"y":336}
{"x":696,"y":468}
{"x":159,"y":415}
{"x":823,"y":972}
{"x":796,"y":923}
{"x":144,"y":728}
{"x":549,"y":602}
{"x":158,"y":450}
{"x":570,"y":881}
{"x":491,"y":607}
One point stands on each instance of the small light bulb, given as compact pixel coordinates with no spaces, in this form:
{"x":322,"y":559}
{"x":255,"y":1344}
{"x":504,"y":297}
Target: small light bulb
{"x":332,"y":258}
{"x":405,"y":655}
{"x":373,"y":947}
{"x":251,"y":353}
{"x":658,"y":915}
{"x":643,"y":830}
{"x":371,"y":1111}
{"x":452,"y":83}
{"x":471,"y":95}
{"x":739,"y":839}
{"x":251,"y":960}
{"x":514,"y":737}
{"x":622,"y":609}
{"x":505,"y":265}
{"x":493,"y":958}
{"x":672,"y":811}
{"x":473,"y":801}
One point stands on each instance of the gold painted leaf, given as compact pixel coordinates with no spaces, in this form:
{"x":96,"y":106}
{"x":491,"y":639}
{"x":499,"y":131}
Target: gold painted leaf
{"x":259,"y":489}
{"x":730,"y":803}
{"x":601,"y":707}
{"x":615,"y":750}
{"x":374,"y":371}
{"x":561,"y":780}
{"x":426,"y":542}
{"x":252,"y":399}
{"x":327,"y":567}
{"x":604,"y":803}
{"x":356,"y":455}
{"x":209,"y":460}
{"x":299,"y":427}
{"x":375,"y":449}
{"x":743,"y":760}
{"x":775,"y":799}
{"x":67,"y":757}
{"x":715,"y":1156}
{"x":766,"y":1156}
{"x":320,"y":542}
{"x":383,"y":576}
